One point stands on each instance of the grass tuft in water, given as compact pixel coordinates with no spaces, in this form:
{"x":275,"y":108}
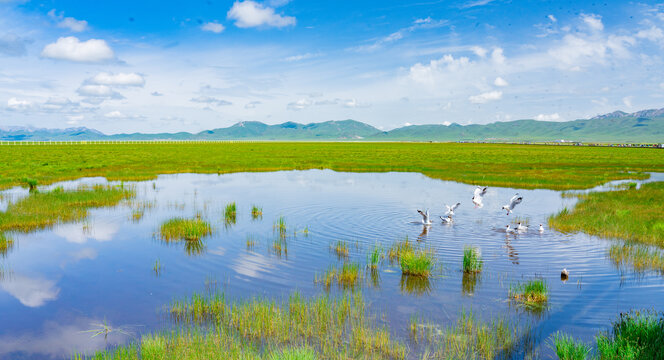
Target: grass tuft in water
{"x":640,"y":257}
{"x":230,"y":213}
{"x":638,"y":334}
{"x":568,"y":349}
{"x":6,"y":244}
{"x":417,"y":263}
{"x":184,"y":229}
{"x":41,"y":210}
{"x":280,"y":226}
{"x":341,"y":249}
{"x":398,"y":248}
{"x":472,"y":260}
{"x":533,"y":293}
{"x":346,"y":277}
{"x":256,"y":212}
{"x":375,"y":257}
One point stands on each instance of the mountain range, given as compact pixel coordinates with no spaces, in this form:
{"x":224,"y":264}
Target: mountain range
{"x":645,"y":126}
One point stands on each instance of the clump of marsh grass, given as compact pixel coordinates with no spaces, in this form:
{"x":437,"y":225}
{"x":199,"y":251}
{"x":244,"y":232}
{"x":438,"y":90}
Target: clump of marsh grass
{"x":533,"y":293}
{"x":346,"y":277}
{"x":6,"y":244}
{"x":280,"y":226}
{"x":230,"y":213}
{"x":256,"y":212}
{"x":416,"y":263}
{"x":638,"y":334}
{"x":568,"y":349}
{"x":472,"y":260}
{"x":395,"y":252}
{"x":191,"y":230}
{"x":640,"y":257}
{"x":375,"y":257}
{"x":32,"y":184}
{"x":41,"y":210}
{"x":341,"y":249}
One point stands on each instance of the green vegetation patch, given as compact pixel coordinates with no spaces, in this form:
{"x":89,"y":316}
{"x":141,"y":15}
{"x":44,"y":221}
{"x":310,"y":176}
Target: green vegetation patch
{"x":531,"y":293}
{"x":567,"y":348}
{"x":177,"y":229}
{"x":640,"y":257}
{"x":346,"y":277}
{"x":6,"y":244}
{"x":472,"y":260}
{"x":630,"y":214}
{"x":636,"y":335}
{"x":41,"y":210}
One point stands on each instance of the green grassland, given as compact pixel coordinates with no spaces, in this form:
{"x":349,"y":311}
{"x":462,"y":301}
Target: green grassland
{"x":523,"y":166}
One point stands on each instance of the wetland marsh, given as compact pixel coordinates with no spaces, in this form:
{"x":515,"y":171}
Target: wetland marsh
{"x":207,"y":243}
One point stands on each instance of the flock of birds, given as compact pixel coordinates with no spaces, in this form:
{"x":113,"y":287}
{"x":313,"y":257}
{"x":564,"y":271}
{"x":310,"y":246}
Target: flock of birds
{"x":478,"y":202}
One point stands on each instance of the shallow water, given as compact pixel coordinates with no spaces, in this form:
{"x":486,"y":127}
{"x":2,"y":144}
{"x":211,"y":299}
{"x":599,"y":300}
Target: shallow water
{"x":60,"y":283}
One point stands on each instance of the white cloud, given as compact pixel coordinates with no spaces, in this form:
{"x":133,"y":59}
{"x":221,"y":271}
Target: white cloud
{"x":98,"y":91}
{"x":497,"y":56}
{"x":72,"y":49}
{"x":353,"y":103}
{"x":31,"y":292}
{"x":548,"y":117}
{"x":214,"y":27}
{"x":575,"y":51}
{"x":479,"y":51}
{"x":68,"y":22}
{"x":115,"y":115}
{"x":552,"y":18}
{"x":252,"y":14}
{"x":407,"y":124}
{"x":300,"y":57}
{"x":653,"y":34}
{"x":425,"y":73}
{"x":486,"y":97}
{"x":16,"y":104}
{"x":119,"y":79}
{"x":299,"y":104}
{"x":593,"y":21}
{"x":252,"y":104}
{"x":74,"y":119}
{"x":476,"y":3}
{"x":500,"y":82}
{"x":447,"y":123}
{"x":627,"y":100}
{"x":210,"y":100}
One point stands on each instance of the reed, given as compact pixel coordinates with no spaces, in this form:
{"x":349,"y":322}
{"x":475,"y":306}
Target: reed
{"x":567,"y":348}
{"x":280,"y":226}
{"x":472,"y":260}
{"x":346,"y":277}
{"x":230,"y":213}
{"x":256,"y":212}
{"x":375,"y":257}
{"x":533,"y":293}
{"x":177,"y":229}
{"x":41,"y":210}
{"x":417,"y":263}
{"x":341,"y":249}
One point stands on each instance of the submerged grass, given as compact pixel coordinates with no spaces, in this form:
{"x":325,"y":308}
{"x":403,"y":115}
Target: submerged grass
{"x":522,"y":166}
{"x":533,"y":293}
{"x":640,"y":257}
{"x":41,"y":210}
{"x":631,"y":214}
{"x":177,"y":229}
{"x":472,"y":260}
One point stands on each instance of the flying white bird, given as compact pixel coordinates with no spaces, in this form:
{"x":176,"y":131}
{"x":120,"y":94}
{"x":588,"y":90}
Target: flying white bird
{"x":520,"y":227}
{"x":450,"y":209}
{"x":446,"y":220}
{"x":477,"y":196}
{"x":425,"y":217}
{"x":541,"y":228}
{"x":514,"y":201}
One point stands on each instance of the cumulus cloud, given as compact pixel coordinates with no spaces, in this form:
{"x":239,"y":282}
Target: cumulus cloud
{"x":593,"y":21}
{"x":500,"y":82}
{"x":627,"y":100}
{"x":98,"y":91}
{"x":119,"y":79}
{"x":299,"y":104}
{"x":576,"y":51}
{"x":486,"y":97}
{"x":653,"y":34}
{"x":548,"y":117}
{"x":252,"y":14}
{"x":497,"y":56}
{"x":214,"y":27}
{"x":479,"y":51}
{"x":18,"y":105}
{"x":425,"y":73}
{"x":552,"y":18}
{"x":210,"y":100}
{"x":72,"y":49}
{"x":301,"y":57}
{"x":68,"y":22}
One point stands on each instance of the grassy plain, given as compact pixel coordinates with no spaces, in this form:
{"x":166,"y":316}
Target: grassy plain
{"x":630,"y":214}
{"x":523,"y":166}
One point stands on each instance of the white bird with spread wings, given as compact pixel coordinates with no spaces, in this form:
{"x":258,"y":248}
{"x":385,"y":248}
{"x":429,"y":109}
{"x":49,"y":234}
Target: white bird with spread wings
{"x":477,"y":196}
{"x":514,"y":201}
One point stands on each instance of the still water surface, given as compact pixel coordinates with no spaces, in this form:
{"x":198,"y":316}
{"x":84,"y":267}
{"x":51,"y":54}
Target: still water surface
{"x":60,"y":283}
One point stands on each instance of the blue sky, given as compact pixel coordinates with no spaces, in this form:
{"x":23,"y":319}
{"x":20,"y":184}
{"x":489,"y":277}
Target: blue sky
{"x":127,"y":66}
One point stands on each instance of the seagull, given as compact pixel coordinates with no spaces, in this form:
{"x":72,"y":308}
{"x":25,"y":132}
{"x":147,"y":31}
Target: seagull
{"x":446,"y":220}
{"x":509,"y":229}
{"x":520,"y":227}
{"x":564,"y":275}
{"x":450,"y":209}
{"x":477,"y":196}
{"x":514,"y":201}
{"x":541,"y":229}
{"x":425,"y":217}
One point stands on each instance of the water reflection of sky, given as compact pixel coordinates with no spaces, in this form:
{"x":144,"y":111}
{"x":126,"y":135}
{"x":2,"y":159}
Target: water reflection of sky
{"x":62,"y":280}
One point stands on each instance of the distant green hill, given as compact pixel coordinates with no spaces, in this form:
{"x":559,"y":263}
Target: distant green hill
{"x":645,"y":126}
